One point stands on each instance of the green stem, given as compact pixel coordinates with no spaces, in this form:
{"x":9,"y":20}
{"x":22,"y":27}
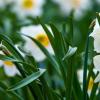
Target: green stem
{"x":85,"y":69}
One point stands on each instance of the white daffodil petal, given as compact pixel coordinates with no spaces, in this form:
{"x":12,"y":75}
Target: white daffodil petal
{"x":97,"y":45}
{"x":97,"y":79}
{"x":10,"y":71}
{"x":96,"y":33}
{"x":49,"y":48}
{"x":95,"y":71}
{"x":96,"y":61}
{"x":31,"y":47}
{"x":32,"y":30}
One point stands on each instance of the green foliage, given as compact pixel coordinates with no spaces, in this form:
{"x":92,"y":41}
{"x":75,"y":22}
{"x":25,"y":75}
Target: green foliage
{"x":56,"y":77}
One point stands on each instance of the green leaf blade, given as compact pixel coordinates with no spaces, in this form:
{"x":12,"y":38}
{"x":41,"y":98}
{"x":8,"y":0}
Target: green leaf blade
{"x":27,"y":80}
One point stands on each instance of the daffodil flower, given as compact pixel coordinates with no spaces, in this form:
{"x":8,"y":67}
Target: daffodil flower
{"x":25,"y":8}
{"x":79,"y":6}
{"x":96,"y":35}
{"x":37,"y":32}
{"x":9,"y":68}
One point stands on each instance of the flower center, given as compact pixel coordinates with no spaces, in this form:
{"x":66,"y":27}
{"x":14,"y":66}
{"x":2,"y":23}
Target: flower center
{"x":43,"y":39}
{"x":8,"y":63}
{"x":27,"y":4}
{"x":75,"y":3}
{"x":90,"y":85}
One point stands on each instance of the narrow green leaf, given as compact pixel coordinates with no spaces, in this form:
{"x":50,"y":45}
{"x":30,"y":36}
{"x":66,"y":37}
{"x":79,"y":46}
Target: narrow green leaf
{"x":85,"y":69}
{"x":59,"y":41}
{"x":27,"y":80}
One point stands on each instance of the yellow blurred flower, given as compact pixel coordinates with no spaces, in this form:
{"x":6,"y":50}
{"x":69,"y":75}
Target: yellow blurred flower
{"x":28,"y":7}
{"x":37,"y":32}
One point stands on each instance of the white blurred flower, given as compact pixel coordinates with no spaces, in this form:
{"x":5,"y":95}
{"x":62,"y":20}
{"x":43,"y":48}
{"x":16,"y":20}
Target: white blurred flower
{"x":96,"y":35}
{"x":9,"y":68}
{"x":37,"y":32}
{"x":79,"y":6}
{"x":28,"y":7}
{"x":96,"y":61}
